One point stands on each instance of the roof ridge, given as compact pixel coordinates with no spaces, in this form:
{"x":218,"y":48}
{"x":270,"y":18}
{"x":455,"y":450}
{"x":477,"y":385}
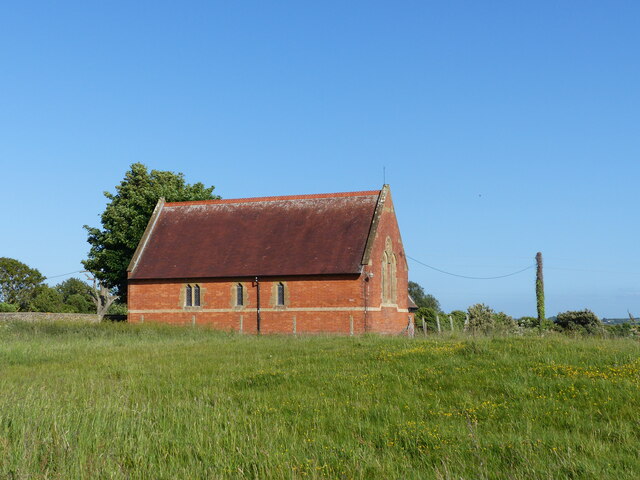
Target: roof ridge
{"x":275,"y":198}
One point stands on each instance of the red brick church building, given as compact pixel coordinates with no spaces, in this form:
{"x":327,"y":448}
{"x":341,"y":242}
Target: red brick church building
{"x":291,"y":264}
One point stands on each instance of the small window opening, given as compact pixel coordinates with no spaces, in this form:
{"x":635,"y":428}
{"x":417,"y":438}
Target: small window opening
{"x":196,"y":296}
{"x":239,"y":295}
{"x":189,"y":296}
{"x":280,"y":293}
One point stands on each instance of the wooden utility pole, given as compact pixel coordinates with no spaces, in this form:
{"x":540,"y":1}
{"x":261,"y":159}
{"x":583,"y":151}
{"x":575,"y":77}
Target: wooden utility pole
{"x":539,"y":289}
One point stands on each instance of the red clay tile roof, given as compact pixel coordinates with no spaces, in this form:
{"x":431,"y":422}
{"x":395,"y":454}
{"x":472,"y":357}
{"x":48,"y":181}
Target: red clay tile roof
{"x":269,"y":236}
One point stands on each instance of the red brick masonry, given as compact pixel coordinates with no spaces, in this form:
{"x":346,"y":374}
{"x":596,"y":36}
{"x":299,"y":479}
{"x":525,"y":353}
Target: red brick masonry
{"x":315,"y":303}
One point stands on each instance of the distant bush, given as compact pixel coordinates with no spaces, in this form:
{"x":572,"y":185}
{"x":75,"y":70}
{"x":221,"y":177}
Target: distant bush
{"x":548,"y":325}
{"x":481,"y":318}
{"x":528,"y":322}
{"x":620,"y":330}
{"x":117,"y":308}
{"x":8,"y":307}
{"x":531,"y":323}
{"x":582,"y":321}
{"x":429,"y":316}
{"x":459,"y":317}
{"x":503,"y":323}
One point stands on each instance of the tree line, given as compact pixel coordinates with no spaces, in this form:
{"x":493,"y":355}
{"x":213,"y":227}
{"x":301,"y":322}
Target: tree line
{"x":22,"y":288}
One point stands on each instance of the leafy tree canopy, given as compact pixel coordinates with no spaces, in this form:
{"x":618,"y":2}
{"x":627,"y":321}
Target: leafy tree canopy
{"x":125,"y":219}
{"x":78,"y":303}
{"x":423,"y":300}
{"x":73,"y":286}
{"x":70,"y":296}
{"x":48,"y":299}
{"x":18,"y":282}
{"x":77,"y":295}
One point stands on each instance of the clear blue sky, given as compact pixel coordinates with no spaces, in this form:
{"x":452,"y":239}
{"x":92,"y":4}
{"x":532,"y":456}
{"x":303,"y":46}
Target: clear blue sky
{"x":506,"y":128}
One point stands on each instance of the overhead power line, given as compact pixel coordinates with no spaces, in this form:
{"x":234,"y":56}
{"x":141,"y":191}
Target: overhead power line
{"x":469,"y":277}
{"x":593,"y":271}
{"x":64,"y":274}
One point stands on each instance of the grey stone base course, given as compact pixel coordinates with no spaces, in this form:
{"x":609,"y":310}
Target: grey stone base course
{"x":49,"y":317}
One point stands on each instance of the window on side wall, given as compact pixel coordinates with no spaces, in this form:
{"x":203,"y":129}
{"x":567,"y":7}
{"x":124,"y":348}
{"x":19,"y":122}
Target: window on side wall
{"x":239,"y":295}
{"x":188,"y":298}
{"x":280,"y":296}
{"x":192,"y":296}
{"x":196,"y":296}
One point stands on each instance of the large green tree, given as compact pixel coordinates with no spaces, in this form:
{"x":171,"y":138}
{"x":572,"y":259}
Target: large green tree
{"x":125,"y":219}
{"x":423,"y":300}
{"x":18,"y":282}
{"x":77,"y":295}
{"x":48,"y":299}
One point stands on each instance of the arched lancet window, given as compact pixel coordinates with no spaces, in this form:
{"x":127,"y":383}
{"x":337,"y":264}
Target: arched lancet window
{"x":394,"y":280}
{"x":389,"y":274}
{"x":188,"y":299}
{"x":385,"y":278}
{"x":239,"y":295}
{"x":196,"y":296}
{"x":280,"y":298}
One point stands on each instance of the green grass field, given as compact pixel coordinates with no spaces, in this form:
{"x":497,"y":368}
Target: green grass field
{"x":123,"y":401}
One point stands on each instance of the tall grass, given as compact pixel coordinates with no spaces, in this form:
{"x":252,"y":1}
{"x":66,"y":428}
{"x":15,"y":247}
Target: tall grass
{"x":124,"y":401}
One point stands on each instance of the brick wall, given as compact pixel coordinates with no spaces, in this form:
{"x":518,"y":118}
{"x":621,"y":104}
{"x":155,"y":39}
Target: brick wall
{"x":391,"y":316}
{"x":313,"y":304}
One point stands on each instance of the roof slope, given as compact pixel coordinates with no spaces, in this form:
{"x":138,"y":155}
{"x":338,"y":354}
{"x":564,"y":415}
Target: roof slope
{"x":271,"y":236}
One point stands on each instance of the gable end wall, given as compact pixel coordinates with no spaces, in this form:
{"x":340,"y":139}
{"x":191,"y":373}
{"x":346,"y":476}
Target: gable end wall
{"x":390,"y":317}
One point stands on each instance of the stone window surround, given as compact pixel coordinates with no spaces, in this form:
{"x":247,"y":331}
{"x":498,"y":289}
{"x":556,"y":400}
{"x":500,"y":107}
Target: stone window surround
{"x":273,"y":300}
{"x":389,"y":274}
{"x":182,"y":302}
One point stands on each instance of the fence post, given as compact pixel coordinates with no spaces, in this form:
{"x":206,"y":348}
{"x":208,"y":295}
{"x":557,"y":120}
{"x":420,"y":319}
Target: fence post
{"x":438,"y":323}
{"x":295,"y":325}
{"x":451,"y":322}
{"x":241,"y":322}
{"x":193,"y":320}
{"x":351,"y":325}
{"x":424,"y":327}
